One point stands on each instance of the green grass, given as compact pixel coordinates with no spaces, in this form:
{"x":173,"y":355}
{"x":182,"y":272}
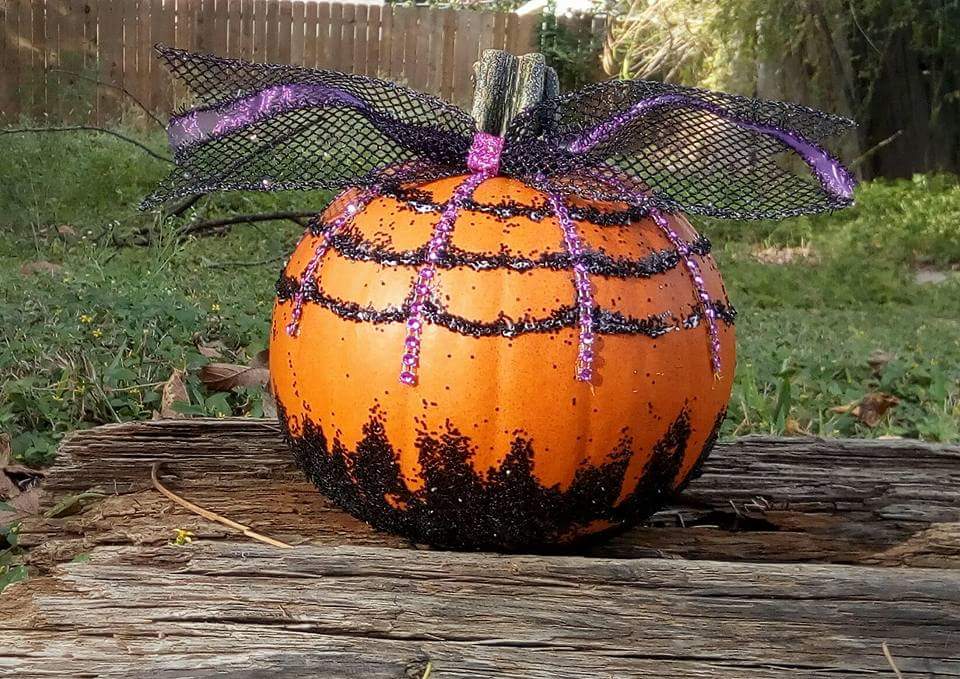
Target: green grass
{"x":93,"y":341}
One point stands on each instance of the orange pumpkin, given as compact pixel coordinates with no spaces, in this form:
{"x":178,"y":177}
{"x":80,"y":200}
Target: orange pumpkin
{"x":497,"y":445}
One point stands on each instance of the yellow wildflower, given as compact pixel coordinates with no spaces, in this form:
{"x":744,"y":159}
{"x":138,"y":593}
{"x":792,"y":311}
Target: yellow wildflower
{"x":215,"y":307}
{"x":86,"y":318}
{"x":182,"y":537}
{"x":97,"y":332}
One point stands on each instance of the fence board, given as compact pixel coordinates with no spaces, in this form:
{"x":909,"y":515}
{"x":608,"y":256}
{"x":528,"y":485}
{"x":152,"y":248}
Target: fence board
{"x":258,"y":44}
{"x":272,"y":32}
{"x":395,"y":71}
{"x":386,"y":41}
{"x":285,"y":33}
{"x":373,"y":40}
{"x":233,"y":27}
{"x":411,"y":43}
{"x":433,"y":27}
{"x":310,"y":35}
{"x":499,"y":30}
{"x":345,"y":53}
{"x":218,"y":28}
{"x":241,"y":29}
{"x":52,"y":75}
{"x":332,"y":49}
{"x":163,"y":16}
{"x":359,"y":55}
{"x":323,"y":34}
{"x":144,"y":41}
{"x":465,"y":52}
{"x":38,"y":56}
{"x":423,"y":55}
{"x":297,"y":36}
{"x":447,"y":64}
{"x":13,"y":62}
{"x":205,"y":10}
{"x":91,"y":53}
{"x":110,"y":28}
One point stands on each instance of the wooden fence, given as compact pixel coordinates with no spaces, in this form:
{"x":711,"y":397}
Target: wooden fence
{"x":72,"y":59}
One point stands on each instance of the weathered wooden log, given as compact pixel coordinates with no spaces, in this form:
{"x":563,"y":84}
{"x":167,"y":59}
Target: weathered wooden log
{"x":247,"y":610}
{"x":759,"y":499}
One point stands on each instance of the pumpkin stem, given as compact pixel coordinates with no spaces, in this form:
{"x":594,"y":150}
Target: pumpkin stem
{"x":505,"y":85}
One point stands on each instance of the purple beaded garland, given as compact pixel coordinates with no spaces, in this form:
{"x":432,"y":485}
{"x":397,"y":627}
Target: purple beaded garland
{"x":703,"y":297}
{"x":338,"y":224}
{"x":484,"y":162}
{"x":581,"y":279}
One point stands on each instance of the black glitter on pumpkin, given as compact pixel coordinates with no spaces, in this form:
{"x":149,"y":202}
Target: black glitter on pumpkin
{"x":351,"y":245}
{"x":419,"y":200}
{"x":504,"y":508}
{"x":605,"y":322}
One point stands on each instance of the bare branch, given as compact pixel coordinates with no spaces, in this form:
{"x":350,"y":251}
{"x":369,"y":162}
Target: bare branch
{"x":219,"y":224}
{"x":259,"y":262}
{"x":86,"y":128}
{"x":120,"y":88}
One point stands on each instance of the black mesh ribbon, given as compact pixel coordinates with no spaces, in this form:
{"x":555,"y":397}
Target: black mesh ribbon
{"x":269,"y":127}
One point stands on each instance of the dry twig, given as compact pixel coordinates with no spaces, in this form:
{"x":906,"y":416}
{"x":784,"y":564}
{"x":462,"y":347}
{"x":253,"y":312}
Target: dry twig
{"x":211,"y":516}
{"x":889,"y":656}
{"x":86,"y":128}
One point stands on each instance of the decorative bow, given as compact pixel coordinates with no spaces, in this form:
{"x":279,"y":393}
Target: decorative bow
{"x":659,"y":147}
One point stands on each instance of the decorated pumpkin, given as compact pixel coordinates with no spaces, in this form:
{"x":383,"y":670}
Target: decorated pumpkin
{"x":503,"y":332}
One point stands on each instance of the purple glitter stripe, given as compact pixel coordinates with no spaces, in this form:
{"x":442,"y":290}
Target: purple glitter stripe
{"x":581,"y":279}
{"x":203,"y":125}
{"x":683,"y":249}
{"x":421,"y":293}
{"x":338,"y":224}
{"x":484,"y":162}
{"x":833,"y":177}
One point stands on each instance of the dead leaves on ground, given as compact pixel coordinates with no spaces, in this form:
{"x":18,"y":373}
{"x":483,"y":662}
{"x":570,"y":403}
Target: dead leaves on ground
{"x":174,"y":391}
{"x":219,"y":377}
{"x":803,"y":254}
{"x":870,"y":409}
{"x":31,"y":268}
{"x":227,"y":376}
{"x":19,"y":486}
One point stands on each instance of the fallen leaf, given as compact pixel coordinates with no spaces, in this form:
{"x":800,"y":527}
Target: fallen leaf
{"x":14,"y":478}
{"x":269,"y":404}
{"x":174,"y":390}
{"x":793,"y":426}
{"x":26,"y":503}
{"x":227,"y":376}
{"x":870,"y":409}
{"x":19,"y":486}
{"x":262,"y":359}
{"x":30,"y":268}
{"x":787,"y":255}
{"x":66,"y":232}
{"x":213,"y":349}
{"x":878,"y":360}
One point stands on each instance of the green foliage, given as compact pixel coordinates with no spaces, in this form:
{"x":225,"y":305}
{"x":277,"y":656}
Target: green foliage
{"x":86,"y":180}
{"x":575,"y":55}
{"x":93,"y":340}
{"x":807,"y":328}
{"x":11,"y":570}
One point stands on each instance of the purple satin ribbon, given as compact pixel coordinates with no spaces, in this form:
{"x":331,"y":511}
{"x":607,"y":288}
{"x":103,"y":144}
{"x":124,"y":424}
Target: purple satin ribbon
{"x":833,"y":177}
{"x":205,"y":124}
